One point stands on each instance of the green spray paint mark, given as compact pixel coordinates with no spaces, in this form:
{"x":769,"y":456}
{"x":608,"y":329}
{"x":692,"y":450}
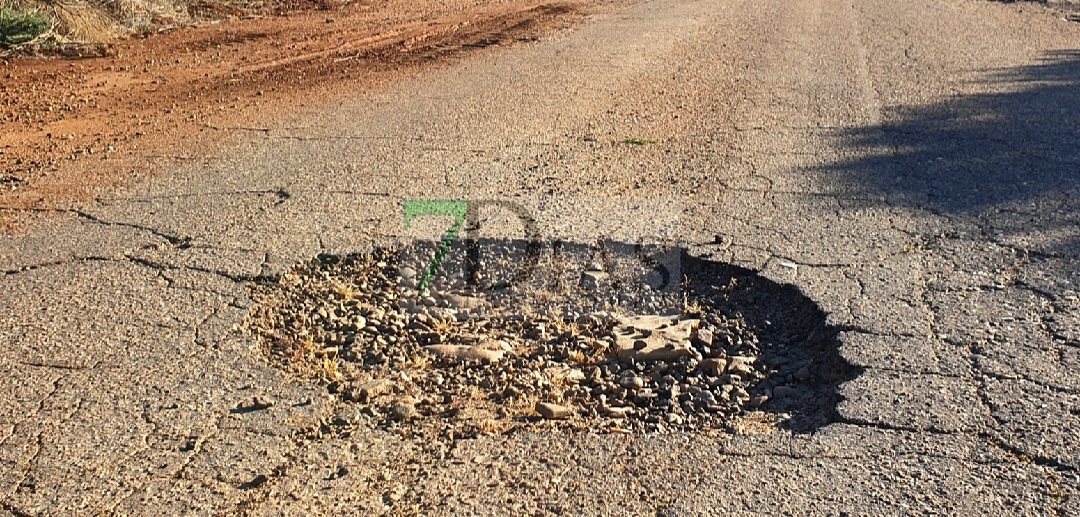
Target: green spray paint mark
{"x":458,"y":209}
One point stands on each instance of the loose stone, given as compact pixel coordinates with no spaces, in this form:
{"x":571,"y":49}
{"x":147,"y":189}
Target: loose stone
{"x":457,"y":353}
{"x":784,"y":391}
{"x":592,"y":280}
{"x":552,"y":411}
{"x":403,"y":409}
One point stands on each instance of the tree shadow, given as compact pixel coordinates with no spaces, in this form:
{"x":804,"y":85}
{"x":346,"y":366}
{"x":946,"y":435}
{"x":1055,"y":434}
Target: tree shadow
{"x":1007,"y":160}
{"x":797,"y":345}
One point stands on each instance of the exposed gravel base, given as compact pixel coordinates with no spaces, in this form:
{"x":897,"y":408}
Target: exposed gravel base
{"x":519,"y":345}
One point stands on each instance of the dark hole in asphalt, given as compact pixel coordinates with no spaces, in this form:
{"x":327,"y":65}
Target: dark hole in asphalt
{"x":513,"y":334}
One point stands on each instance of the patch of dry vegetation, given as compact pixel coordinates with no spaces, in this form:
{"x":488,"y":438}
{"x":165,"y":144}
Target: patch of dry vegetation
{"x":89,"y":27}
{"x":64,"y":23}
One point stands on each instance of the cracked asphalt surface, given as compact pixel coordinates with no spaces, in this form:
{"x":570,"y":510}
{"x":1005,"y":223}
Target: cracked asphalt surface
{"x":912,"y":168}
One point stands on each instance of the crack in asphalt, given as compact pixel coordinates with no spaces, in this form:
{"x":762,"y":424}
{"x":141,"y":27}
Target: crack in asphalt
{"x":988,"y":437}
{"x":921,"y":300}
{"x":922,"y":296}
{"x":56,"y":263}
{"x":902,"y":455}
{"x":172,"y":283}
{"x":180,"y":242}
{"x":234,"y":277}
{"x":58,"y":366}
{"x":197,"y":446}
{"x":978,"y":374}
{"x":39,"y":441}
{"x":975,"y":349}
{"x":145,"y":262}
{"x":281,"y":193}
{"x":55,"y":385}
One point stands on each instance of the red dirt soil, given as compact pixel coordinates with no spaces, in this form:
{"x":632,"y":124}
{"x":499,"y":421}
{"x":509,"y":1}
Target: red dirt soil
{"x":73,"y":127}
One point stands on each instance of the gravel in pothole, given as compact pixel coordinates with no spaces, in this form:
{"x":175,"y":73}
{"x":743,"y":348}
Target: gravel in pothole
{"x":606,"y":337}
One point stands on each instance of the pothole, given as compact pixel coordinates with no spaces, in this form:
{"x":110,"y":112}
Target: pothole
{"x":505,"y":335}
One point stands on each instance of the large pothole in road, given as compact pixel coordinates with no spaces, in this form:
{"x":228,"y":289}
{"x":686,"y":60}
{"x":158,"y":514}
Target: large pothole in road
{"x":494,"y":336}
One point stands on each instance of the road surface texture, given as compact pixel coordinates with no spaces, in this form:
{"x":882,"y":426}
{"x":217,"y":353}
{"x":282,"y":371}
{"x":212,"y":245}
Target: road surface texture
{"x":912,"y":167}
{"x":73,"y":126}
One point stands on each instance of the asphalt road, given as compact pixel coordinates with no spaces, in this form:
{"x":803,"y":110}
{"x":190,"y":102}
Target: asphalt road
{"x":912,"y":167}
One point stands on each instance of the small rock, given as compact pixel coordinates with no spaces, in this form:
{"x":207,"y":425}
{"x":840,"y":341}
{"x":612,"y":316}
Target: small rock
{"x":260,"y":403}
{"x":346,"y":417}
{"x":372,"y":389}
{"x":704,"y":337}
{"x":512,"y":392}
{"x":740,"y":394}
{"x":591,"y":280}
{"x":784,"y":391}
{"x":633,"y":383}
{"x":460,"y":302}
{"x":803,"y":374}
{"x":617,"y":412}
{"x":654,"y":338}
{"x":713,"y":365}
{"x":403,"y":409}
{"x":336,"y":387}
{"x":741,"y":365}
{"x":570,"y":375}
{"x":442,"y":313}
{"x":552,"y":411}
{"x":459,"y":353}
{"x":429,"y":338}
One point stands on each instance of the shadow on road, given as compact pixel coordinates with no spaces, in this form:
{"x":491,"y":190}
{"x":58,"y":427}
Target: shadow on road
{"x":795,"y":339}
{"x":1008,"y":160}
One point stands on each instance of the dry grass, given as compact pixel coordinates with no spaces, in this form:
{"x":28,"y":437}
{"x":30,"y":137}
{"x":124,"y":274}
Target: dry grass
{"x":444,"y":327}
{"x":692,"y":308}
{"x":304,"y":357}
{"x":560,"y":324}
{"x":345,"y":290}
{"x":85,"y":23}
{"x":754,"y":423}
{"x":96,"y":24}
{"x":71,"y":22}
{"x":577,"y":357}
